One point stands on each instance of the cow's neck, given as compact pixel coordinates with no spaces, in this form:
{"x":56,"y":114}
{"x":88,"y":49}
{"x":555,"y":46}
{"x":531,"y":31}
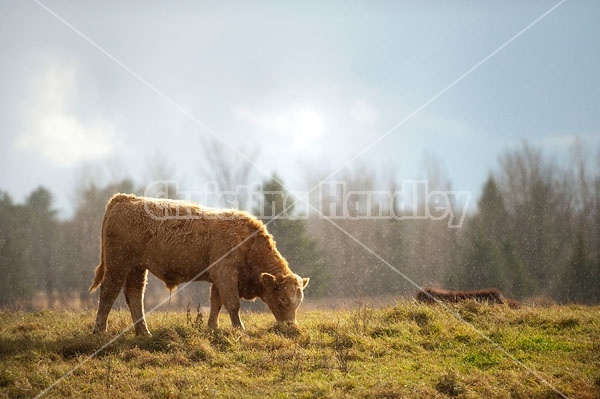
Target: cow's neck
{"x":266,"y":258}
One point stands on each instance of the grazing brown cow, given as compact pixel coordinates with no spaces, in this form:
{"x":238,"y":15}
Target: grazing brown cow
{"x":180,"y":241}
{"x":430,"y":295}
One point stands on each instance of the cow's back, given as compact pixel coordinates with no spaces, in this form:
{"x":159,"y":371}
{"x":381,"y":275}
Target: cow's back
{"x":175,"y":240}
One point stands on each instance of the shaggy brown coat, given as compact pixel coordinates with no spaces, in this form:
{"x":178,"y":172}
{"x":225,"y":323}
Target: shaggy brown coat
{"x":181,"y":241}
{"x":492,"y":296}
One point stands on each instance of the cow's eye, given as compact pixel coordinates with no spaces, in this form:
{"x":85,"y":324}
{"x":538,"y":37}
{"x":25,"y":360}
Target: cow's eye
{"x":283,"y":299}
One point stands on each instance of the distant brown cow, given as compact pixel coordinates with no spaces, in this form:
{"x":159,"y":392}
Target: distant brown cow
{"x":430,"y":295}
{"x":179,"y":242}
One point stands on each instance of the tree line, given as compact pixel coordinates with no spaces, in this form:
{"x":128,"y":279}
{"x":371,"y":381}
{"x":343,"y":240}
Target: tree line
{"x":535,"y":233}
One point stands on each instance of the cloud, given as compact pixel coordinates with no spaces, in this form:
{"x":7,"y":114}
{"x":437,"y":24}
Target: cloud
{"x":562,"y":141}
{"x":303,"y":125}
{"x":64,"y":141}
{"x":52,"y":130}
{"x":363,"y":113}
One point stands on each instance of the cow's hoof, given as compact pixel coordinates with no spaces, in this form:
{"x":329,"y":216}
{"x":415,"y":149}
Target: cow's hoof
{"x":98,"y":330}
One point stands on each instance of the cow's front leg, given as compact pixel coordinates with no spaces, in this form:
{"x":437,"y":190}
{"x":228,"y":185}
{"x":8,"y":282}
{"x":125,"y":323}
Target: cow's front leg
{"x":232,"y":304}
{"x":215,"y":307}
{"x":229,"y":295}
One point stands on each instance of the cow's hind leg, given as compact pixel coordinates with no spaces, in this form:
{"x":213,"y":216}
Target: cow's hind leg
{"x":215,"y":307}
{"x":109,"y":290}
{"x":134,"y":295}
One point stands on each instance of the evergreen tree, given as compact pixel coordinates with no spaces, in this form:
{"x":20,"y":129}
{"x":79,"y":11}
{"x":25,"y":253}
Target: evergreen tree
{"x":41,"y":226}
{"x":579,"y":279}
{"x":492,"y":258}
{"x":520,"y":283}
{"x":483,"y":264}
{"x":493,"y":217}
{"x":293,"y":240}
{"x":595,"y":282}
{"x":17,"y":277}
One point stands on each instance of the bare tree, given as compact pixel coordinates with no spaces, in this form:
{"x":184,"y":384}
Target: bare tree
{"x":161,"y":179}
{"x":227,"y":168}
{"x":432,"y":241}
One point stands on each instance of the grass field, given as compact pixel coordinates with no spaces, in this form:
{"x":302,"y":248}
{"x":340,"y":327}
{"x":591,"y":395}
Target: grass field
{"x":407,"y":350}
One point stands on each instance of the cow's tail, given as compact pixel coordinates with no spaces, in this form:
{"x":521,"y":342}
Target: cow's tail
{"x":98,"y":277}
{"x":101,"y":268}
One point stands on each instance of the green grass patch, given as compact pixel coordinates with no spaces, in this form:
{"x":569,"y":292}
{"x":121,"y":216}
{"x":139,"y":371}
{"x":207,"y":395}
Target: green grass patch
{"x":408,"y":350}
{"x":539,"y":343}
{"x":481,"y":359}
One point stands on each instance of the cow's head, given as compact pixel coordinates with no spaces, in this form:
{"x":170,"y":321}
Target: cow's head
{"x":283,"y":295}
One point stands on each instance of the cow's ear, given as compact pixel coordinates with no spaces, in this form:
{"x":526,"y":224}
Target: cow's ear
{"x":268,"y":280}
{"x":305,"y":282}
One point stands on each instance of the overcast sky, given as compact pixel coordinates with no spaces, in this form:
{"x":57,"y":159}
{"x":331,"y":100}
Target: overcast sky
{"x":306,"y":83}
